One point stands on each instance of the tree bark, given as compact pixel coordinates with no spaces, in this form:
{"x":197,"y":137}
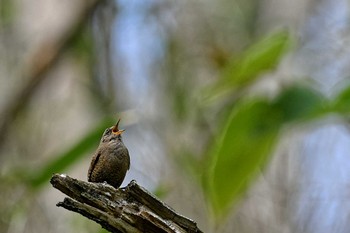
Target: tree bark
{"x":128,"y":209}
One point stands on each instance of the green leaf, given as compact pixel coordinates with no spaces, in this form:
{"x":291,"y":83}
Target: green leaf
{"x":69,"y":157}
{"x":247,"y":140}
{"x":263,"y":56}
{"x":7,"y":12}
{"x":300,"y":103}
{"x":342,"y":102}
{"x":244,"y":146}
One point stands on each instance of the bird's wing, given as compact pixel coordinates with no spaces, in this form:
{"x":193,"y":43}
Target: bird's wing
{"x":93,"y":163}
{"x":128,"y":157}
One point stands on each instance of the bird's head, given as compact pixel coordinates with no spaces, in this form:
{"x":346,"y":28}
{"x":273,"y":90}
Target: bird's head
{"x":112,"y":133}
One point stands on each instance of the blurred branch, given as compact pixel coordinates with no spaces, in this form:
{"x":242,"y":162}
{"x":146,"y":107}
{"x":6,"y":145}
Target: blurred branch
{"x":129,"y":209}
{"x":40,"y":64}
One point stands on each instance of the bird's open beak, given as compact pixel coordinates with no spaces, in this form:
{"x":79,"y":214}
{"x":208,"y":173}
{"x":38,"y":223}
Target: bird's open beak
{"x":117,"y":131}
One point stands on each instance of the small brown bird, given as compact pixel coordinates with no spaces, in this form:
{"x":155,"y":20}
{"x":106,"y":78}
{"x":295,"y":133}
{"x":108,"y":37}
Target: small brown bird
{"x":111,"y":159}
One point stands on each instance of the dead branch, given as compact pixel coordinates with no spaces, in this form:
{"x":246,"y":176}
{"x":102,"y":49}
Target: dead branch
{"x":129,"y":209}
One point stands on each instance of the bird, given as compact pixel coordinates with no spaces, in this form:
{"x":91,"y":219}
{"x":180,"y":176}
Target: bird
{"x":111,"y":160}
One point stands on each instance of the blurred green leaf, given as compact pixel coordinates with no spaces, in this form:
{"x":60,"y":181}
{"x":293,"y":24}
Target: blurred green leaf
{"x":71,"y":156}
{"x":342,"y":102}
{"x":247,"y":140}
{"x":260,"y":57}
{"x":244,"y":145}
{"x":102,"y":230}
{"x":7,"y":12}
{"x":300,"y":103}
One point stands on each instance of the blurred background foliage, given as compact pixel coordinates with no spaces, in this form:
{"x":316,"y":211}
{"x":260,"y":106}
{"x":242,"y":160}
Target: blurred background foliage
{"x":236,"y":112}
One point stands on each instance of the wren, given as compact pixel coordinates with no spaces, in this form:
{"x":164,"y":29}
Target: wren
{"x":111,"y":160}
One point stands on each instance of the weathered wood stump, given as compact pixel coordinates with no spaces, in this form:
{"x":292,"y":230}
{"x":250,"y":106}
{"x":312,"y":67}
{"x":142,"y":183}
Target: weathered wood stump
{"x":129,"y":209}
